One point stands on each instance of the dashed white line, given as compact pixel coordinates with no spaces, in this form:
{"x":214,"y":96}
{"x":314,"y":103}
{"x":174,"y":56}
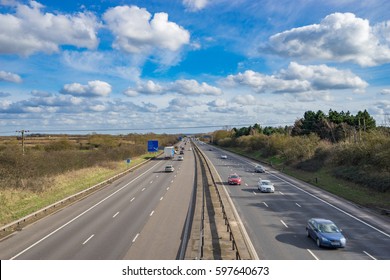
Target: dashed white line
{"x":135,"y":238}
{"x":246,"y":185}
{"x":265,"y":204}
{"x":151,"y":213}
{"x":254,"y":193}
{"x":89,"y":238}
{"x":143,"y":189}
{"x":369,"y":255}
{"x":161,"y":198}
{"x":311,"y":253}
{"x":167,"y":188}
{"x":116,"y":214}
{"x":281,"y":193}
{"x":151,"y":182}
{"x":284,"y":223}
{"x":298,"y":205}
{"x":132,"y":199}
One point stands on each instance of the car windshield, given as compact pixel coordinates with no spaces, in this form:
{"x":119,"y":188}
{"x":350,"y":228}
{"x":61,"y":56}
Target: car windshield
{"x":234,"y":176}
{"x":266,"y":182}
{"x":328,"y":228}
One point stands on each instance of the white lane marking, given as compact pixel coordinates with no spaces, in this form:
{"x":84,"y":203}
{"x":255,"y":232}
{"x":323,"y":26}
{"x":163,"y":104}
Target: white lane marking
{"x":246,"y":185}
{"x":167,"y":188}
{"x":284,"y":223}
{"x":135,"y":238}
{"x":132,"y":199}
{"x":161,"y":198}
{"x":254,"y":193}
{"x":151,"y":182}
{"x":151,"y":213}
{"x":311,"y":253}
{"x":116,"y":214}
{"x":333,"y":206}
{"x":172,"y":181}
{"x":82,"y":214}
{"x":89,"y":238}
{"x":281,"y":193}
{"x":369,"y":255}
{"x":143,"y":189}
{"x":265,"y":204}
{"x":298,"y":205}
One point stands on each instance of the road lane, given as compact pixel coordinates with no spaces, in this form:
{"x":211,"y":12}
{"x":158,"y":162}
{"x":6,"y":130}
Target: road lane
{"x":276,"y":221}
{"x":103,"y":225}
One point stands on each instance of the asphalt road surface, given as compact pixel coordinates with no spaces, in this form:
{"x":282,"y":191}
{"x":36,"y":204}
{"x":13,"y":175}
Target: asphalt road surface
{"x":275,"y":222}
{"x":139,"y":216}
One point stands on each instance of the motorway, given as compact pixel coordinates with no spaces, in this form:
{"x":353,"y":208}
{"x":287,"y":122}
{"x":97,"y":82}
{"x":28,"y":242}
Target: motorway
{"x":139,"y":216}
{"x":275,"y":222}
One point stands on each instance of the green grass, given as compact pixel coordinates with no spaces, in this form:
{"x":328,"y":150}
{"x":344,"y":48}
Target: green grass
{"x":18,"y":203}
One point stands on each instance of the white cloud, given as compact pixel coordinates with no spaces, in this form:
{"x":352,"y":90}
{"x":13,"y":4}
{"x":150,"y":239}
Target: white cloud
{"x":92,"y":89}
{"x":340,"y":37}
{"x":245,"y":100}
{"x":298,"y":78}
{"x":192,"y":87}
{"x":30,"y":30}
{"x":136,"y":31}
{"x":218,"y":103}
{"x":385,"y":91}
{"x":195,"y":5}
{"x":183,"y":87}
{"x":10,"y":77}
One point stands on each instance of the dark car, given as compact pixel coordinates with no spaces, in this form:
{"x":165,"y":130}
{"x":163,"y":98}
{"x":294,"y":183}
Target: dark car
{"x":325,"y":233}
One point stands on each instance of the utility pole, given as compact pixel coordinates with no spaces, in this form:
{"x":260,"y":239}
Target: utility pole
{"x":22,"y":132}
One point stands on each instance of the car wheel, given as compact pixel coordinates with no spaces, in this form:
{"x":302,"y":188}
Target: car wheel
{"x":307,"y":233}
{"x":318,"y":242}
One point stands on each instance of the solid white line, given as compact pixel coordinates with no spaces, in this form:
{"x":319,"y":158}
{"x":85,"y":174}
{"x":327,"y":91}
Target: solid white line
{"x":116,"y":214}
{"x":333,"y":206}
{"x":265,"y":204}
{"x":311,"y":253}
{"x":369,"y":255}
{"x":298,"y":205}
{"x":151,"y":213}
{"x":89,"y":238}
{"x":132,"y":199}
{"x":83,"y":213}
{"x":135,"y":237}
{"x":284,"y":223}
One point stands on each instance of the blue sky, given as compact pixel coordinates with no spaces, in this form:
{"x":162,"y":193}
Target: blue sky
{"x":188,"y":65}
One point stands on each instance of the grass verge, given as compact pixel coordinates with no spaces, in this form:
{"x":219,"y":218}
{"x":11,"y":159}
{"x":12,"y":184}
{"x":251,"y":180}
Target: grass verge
{"x":18,"y":203}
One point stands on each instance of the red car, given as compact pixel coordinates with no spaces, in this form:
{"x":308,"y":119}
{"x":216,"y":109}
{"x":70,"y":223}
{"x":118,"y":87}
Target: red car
{"x":234,"y":179}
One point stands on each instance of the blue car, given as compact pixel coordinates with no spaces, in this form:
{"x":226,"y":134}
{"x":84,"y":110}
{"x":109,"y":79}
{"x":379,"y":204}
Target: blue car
{"x":325,"y":233}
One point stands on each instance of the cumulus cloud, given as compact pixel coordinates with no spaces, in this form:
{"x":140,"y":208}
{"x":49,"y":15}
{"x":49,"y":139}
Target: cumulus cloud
{"x":298,"y":78}
{"x":92,"y":89}
{"x":245,"y":100}
{"x":192,"y":87}
{"x":385,"y":91}
{"x":10,"y":77}
{"x":30,"y":30}
{"x":218,"y":103}
{"x":195,"y":5}
{"x":183,"y":87}
{"x":136,"y":31}
{"x":340,"y":37}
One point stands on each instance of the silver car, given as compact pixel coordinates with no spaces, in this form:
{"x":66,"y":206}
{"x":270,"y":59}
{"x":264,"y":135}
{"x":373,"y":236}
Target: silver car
{"x":259,"y":168}
{"x":169,"y":168}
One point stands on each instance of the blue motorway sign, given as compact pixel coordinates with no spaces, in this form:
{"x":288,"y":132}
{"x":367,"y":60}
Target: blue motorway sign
{"x":152,"y":146}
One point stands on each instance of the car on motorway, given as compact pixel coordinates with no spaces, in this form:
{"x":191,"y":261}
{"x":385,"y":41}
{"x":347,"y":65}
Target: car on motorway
{"x":265,"y":186}
{"x":169,"y":168}
{"x":223,"y":156}
{"x":180,"y":158}
{"x":259,"y":168}
{"x":234,"y":179}
{"x":325,"y":233}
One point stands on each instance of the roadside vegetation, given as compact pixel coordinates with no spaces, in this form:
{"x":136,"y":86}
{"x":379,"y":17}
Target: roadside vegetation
{"x":344,"y":154}
{"x":55,"y":167}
